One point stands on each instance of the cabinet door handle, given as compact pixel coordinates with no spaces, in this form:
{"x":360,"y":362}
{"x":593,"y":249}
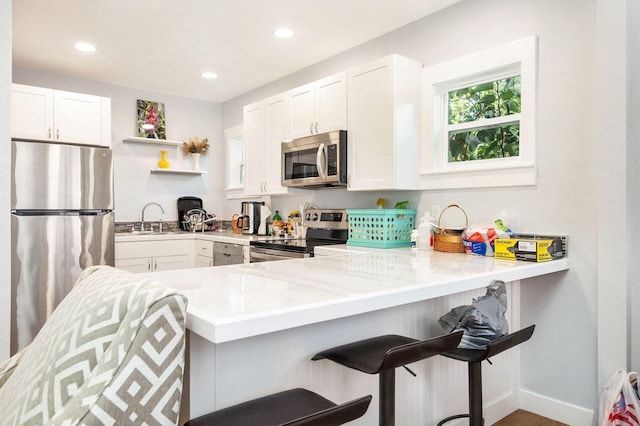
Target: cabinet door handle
{"x":316,"y":127}
{"x":311,"y":128}
{"x":58,"y":134}
{"x":155,"y":264}
{"x":49,"y":132}
{"x":149,"y":265}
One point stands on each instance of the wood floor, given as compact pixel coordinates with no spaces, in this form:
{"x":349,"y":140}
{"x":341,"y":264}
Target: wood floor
{"x":525,"y":418}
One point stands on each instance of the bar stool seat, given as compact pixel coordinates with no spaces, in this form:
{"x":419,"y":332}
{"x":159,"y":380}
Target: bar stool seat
{"x":382,"y":355}
{"x":474,"y":358}
{"x":293,"y":407}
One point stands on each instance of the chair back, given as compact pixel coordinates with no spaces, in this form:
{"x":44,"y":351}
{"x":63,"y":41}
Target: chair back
{"x":338,"y":415}
{"x":421,"y":349}
{"x":111,"y":352}
{"x":508,"y":341}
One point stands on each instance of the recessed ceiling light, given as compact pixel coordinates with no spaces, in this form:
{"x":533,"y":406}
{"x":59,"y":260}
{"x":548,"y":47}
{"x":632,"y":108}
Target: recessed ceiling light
{"x":209,"y":74}
{"x":283,"y":33}
{"x":85,"y":47}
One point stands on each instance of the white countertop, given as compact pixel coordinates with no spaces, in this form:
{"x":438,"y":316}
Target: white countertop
{"x":233,"y":302}
{"x":220,"y":236}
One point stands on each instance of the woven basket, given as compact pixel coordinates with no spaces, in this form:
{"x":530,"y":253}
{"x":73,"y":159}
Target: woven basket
{"x":449,"y":240}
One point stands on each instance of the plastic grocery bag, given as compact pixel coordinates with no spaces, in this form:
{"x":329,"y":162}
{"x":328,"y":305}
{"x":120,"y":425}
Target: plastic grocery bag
{"x":619,"y":401}
{"x":482,"y":321}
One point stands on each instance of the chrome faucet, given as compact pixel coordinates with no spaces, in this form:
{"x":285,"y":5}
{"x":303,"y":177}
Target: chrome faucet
{"x":144,"y":208}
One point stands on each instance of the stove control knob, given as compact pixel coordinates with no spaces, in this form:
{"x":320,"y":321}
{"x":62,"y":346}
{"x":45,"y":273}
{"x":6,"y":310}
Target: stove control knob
{"x":312,"y":216}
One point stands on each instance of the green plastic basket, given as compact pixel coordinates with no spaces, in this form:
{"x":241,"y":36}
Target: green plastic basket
{"x":381,"y":228}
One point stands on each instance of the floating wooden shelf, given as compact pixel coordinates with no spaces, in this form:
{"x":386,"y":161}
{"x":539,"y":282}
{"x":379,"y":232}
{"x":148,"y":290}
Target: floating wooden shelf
{"x":179,"y":172}
{"x":136,"y":139}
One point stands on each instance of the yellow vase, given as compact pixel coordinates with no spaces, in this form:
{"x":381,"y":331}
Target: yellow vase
{"x":163,"y":163}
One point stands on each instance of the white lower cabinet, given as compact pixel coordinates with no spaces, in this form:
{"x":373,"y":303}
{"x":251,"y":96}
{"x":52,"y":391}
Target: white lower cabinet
{"x":153,"y":256}
{"x":203,"y":253}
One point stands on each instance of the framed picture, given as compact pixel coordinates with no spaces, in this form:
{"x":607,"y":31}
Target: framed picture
{"x":151,"y":120}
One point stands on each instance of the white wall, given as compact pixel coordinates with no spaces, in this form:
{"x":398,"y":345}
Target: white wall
{"x":5,"y":167}
{"x":613,"y":188}
{"x":134,"y":186}
{"x":560,"y":361}
{"x":633,"y":136}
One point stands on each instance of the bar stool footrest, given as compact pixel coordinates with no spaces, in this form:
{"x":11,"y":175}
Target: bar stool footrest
{"x":457,"y":416}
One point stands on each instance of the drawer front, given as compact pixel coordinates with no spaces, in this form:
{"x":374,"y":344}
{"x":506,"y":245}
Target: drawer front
{"x":204,"y":248}
{"x":226,"y":248}
{"x":136,"y":249}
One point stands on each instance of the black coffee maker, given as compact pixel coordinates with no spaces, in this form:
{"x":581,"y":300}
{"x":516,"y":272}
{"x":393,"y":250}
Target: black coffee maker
{"x":249,"y":219}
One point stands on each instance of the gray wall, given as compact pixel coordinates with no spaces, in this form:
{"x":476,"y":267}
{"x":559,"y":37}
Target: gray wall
{"x":560,"y":362}
{"x":134,"y":186}
{"x":634,"y":176}
{"x":5,"y":162}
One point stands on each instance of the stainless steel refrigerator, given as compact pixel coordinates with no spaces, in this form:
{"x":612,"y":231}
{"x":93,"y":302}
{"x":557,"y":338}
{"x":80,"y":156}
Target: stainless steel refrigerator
{"x":62,"y":221}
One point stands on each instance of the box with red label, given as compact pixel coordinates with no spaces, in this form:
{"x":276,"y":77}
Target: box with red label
{"x":532,"y":248}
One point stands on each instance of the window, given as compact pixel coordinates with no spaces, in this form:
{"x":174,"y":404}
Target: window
{"x":484,"y":120}
{"x":480,"y":119}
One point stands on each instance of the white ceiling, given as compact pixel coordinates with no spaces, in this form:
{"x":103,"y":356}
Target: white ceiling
{"x":164,"y":45}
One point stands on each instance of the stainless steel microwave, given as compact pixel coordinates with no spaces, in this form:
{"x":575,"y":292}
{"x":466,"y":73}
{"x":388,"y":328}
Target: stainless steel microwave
{"x":315,"y":161}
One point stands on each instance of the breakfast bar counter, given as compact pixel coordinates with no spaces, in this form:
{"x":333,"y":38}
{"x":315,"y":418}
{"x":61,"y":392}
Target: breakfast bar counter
{"x":254,"y":327}
{"x":234,"y":302}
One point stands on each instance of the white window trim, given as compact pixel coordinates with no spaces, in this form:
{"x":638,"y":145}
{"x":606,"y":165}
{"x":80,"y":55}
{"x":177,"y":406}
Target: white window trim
{"x":518,"y":57}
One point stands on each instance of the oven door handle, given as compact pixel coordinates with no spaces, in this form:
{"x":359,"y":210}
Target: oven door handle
{"x":266,"y":256}
{"x":319,"y":163}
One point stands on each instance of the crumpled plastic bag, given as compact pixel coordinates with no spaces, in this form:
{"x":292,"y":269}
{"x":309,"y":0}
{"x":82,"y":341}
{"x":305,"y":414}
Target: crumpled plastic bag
{"x":483,"y":321}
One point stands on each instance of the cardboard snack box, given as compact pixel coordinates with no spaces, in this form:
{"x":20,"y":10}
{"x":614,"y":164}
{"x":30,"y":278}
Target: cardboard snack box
{"x":531,"y":248}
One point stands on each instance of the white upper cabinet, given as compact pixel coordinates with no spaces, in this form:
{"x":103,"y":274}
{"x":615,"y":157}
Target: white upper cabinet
{"x":277,"y":117}
{"x":255,"y":149}
{"x":57,"y":116}
{"x":384,"y":124}
{"x":318,"y":107}
{"x":265,"y":127}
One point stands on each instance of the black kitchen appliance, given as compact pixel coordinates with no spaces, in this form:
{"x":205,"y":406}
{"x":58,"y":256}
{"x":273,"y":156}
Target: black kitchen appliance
{"x":250,"y":217}
{"x":187,"y":203}
{"x":324,"y":227}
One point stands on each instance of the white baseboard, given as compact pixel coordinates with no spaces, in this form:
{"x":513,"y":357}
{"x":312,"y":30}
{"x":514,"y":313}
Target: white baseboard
{"x":570,"y":414}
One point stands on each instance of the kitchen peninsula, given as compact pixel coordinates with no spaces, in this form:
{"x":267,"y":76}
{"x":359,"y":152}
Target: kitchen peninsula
{"x":254,"y":327}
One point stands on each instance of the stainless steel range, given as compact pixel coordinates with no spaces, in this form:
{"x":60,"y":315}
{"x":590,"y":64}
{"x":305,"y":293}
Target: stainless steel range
{"x":324,"y":226}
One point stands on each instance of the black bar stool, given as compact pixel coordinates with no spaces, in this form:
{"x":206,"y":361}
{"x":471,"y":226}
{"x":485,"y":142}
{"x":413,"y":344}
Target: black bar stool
{"x":474,"y":360}
{"x":294,"y":407}
{"x":382,"y":355}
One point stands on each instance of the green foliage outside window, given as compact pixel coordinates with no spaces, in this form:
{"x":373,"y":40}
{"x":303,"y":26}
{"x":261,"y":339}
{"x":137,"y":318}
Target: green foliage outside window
{"x":485,"y":101}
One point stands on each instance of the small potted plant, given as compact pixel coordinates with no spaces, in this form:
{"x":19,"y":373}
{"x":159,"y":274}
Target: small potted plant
{"x":195,"y":147}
